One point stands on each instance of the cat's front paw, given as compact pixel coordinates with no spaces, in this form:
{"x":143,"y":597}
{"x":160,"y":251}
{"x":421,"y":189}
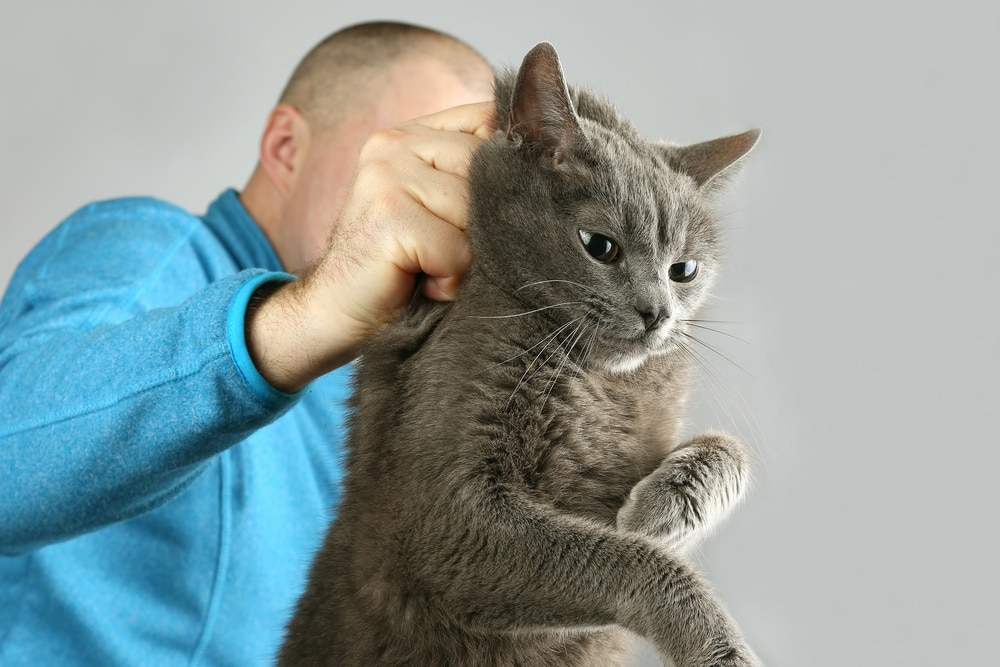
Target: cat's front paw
{"x":737,"y":658}
{"x":695,"y":487}
{"x":740,"y":656}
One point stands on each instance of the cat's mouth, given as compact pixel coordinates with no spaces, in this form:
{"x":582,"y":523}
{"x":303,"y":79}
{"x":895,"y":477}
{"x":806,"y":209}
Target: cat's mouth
{"x":652,"y":341}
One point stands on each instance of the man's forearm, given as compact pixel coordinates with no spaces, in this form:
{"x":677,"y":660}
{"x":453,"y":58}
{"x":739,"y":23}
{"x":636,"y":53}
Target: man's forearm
{"x":99,"y":425}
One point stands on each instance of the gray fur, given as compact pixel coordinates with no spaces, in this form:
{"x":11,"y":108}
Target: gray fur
{"x":516,"y":491}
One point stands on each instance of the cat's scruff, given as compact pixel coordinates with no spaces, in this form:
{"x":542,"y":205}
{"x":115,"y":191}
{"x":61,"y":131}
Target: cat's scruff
{"x":516,"y":490}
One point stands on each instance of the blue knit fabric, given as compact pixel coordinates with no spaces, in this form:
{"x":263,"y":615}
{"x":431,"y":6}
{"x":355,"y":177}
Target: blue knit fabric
{"x":159,"y":500}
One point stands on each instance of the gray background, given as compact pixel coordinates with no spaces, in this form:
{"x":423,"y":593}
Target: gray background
{"x":861,"y":277}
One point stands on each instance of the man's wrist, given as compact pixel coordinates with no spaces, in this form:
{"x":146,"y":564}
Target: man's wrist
{"x":273,"y":338}
{"x":292,"y":340}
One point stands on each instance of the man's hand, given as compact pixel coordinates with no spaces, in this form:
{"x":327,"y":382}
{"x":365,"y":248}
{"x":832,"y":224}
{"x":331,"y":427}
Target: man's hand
{"x":404,"y":216}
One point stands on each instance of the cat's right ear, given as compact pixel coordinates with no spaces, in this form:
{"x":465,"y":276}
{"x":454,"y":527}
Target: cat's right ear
{"x":541,"y":112}
{"x":709,"y":162}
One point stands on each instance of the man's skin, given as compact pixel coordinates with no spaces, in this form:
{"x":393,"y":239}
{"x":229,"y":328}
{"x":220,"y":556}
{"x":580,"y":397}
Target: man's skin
{"x":395,"y":200}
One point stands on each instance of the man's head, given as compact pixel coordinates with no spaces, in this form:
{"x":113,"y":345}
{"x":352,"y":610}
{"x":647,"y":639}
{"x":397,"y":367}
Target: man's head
{"x":358,"y":80}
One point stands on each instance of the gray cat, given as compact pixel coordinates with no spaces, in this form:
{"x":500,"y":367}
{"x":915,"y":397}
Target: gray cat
{"x":516,"y":493}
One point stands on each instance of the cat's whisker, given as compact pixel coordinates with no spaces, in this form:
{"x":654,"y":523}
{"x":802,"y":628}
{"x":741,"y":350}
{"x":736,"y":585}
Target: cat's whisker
{"x":557,"y":280}
{"x":716,"y":404}
{"x":558,"y":348}
{"x":714,"y":349}
{"x":530,"y":371}
{"x":575,"y":337}
{"x":529,"y":312}
{"x":700,"y":321}
{"x":717,"y":384}
{"x":716,"y":297}
{"x":581,"y":361}
{"x":695,"y":324}
{"x":719,"y":381}
{"x":576,"y":341}
{"x":553,"y":336}
{"x":588,"y":348}
{"x":707,"y":363}
{"x":527,"y":350}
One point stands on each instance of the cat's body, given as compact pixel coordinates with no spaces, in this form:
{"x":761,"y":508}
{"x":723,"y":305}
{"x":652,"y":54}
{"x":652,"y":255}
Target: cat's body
{"x":516,"y":491}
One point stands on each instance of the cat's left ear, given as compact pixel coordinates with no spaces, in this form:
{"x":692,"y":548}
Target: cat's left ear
{"x":541,"y":112}
{"x":709,"y":161}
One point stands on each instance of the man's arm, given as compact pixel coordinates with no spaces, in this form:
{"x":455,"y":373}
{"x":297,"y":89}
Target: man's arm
{"x":102,"y":420}
{"x":108,"y":408}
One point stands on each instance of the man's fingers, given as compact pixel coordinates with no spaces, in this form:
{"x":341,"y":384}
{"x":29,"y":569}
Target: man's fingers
{"x":438,"y":250}
{"x":445,"y":140}
{"x":476,"y":119}
{"x":443,"y":194}
{"x":446,"y":151}
{"x":440,"y":289}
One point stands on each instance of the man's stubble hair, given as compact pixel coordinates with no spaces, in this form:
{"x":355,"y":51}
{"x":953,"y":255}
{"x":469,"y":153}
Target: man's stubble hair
{"x":342,"y":73}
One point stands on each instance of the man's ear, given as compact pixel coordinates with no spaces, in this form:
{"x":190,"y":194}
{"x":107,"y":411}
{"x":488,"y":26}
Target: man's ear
{"x":283,"y":147}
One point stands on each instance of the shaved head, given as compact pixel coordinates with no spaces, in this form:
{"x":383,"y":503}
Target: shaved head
{"x":356,"y":82}
{"x":347,"y":72}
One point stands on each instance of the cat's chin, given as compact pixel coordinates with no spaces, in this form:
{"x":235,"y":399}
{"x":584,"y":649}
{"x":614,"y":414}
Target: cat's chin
{"x":623,"y":364}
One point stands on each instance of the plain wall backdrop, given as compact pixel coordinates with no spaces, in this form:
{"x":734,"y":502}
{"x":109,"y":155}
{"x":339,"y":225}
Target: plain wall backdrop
{"x":861,"y":360}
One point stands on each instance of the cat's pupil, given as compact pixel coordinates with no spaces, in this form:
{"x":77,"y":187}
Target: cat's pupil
{"x":599,"y":246}
{"x":683,"y":272}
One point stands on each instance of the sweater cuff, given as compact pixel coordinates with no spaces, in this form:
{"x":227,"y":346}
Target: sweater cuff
{"x":263,"y":390}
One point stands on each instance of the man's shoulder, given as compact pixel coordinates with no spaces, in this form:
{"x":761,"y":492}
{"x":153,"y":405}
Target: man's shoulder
{"x":149,"y":248}
{"x":140,"y":230}
{"x":137,"y":214}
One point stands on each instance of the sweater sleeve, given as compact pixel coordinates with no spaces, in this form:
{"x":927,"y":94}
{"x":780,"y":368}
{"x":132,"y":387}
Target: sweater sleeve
{"x":106,"y":409}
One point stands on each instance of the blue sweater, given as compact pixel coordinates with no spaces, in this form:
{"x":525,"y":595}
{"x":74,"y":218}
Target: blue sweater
{"x":159,"y":500}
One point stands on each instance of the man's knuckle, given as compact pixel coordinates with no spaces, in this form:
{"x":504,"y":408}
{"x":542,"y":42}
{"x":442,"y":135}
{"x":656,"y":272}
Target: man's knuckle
{"x":397,"y":201}
{"x":383,"y":140}
{"x":377,"y":174}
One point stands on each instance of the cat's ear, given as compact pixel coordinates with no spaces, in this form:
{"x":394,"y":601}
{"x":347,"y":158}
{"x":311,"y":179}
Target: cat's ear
{"x":541,"y":111}
{"x":709,"y":161}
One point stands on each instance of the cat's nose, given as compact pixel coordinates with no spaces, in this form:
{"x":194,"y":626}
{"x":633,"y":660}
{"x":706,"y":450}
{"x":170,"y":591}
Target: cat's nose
{"x":653,"y":316}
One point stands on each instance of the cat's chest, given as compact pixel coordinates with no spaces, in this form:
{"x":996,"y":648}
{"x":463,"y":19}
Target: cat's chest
{"x":588,"y":440}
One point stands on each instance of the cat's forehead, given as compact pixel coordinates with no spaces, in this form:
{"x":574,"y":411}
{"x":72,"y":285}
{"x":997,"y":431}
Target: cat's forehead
{"x":634,"y":180}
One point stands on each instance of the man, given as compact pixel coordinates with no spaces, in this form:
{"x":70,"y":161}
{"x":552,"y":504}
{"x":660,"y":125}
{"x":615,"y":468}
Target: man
{"x":169,"y":421}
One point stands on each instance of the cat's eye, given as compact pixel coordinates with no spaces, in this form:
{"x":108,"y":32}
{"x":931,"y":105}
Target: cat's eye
{"x":599,"y":246}
{"x":683,"y":272}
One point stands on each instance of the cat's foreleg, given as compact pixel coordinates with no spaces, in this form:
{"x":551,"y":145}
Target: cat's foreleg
{"x":519,"y":567}
{"x":690,"y":493}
